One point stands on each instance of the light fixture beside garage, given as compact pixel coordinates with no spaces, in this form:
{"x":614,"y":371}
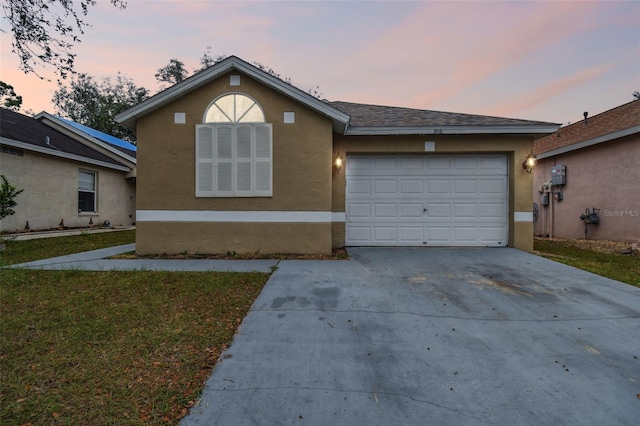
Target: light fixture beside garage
{"x":529,"y":162}
{"x":337,"y":162}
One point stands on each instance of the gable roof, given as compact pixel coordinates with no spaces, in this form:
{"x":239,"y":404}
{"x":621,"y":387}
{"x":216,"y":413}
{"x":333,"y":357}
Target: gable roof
{"x":385,"y":120}
{"x":348,"y":118}
{"x":615,"y":123}
{"x":129,"y":117}
{"x":23,"y":132}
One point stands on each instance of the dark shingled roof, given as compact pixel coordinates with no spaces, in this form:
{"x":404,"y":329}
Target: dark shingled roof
{"x":363,"y":115}
{"x":28,"y":130}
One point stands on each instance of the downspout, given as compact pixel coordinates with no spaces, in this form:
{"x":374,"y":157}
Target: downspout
{"x":553,"y":209}
{"x":552,"y":214}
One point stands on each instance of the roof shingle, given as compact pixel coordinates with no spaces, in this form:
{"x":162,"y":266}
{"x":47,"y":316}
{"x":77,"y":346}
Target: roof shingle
{"x":28,"y":130}
{"x":363,"y":115}
{"x":616,"y":119}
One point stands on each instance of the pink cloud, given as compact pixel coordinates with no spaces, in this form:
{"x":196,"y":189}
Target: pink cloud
{"x":456,"y":56}
{"x":539,"y":95}
{"x":439,"y":52}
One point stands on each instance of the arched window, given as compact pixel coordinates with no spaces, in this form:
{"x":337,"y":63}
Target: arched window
{"x":234,"y":108}
{"x":234,"y":149}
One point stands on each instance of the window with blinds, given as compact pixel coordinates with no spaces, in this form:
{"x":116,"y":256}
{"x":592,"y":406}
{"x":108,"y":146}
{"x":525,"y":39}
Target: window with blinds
{"x":87,"y":192}
{"x":234,"y":150}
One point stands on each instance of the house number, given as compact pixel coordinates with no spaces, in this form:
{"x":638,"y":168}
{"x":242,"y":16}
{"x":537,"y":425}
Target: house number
{"x":437,"y":131}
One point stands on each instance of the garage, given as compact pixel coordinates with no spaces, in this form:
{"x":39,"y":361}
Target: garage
{"x":427,"y":200}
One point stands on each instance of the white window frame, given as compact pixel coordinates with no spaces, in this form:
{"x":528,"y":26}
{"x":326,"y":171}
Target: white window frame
{"x":94,"y":192}
{"x":219,"y":169}
{"x":235,"y":114}
{"x":209,"y":162}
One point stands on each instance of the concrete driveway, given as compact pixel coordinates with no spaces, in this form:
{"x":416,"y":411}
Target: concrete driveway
{"x":431,"y":336}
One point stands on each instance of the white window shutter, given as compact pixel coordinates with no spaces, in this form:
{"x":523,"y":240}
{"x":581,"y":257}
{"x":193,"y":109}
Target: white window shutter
{"x":243,"y":179}
{"x":204,"y":161}
{"x":243,"y":142}
{"x":263,"y":158}
{"x":234,"y":160}
{"x":224,"y":161}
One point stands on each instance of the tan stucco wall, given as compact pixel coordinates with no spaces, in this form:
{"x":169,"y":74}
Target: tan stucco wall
{"x":604,"y":176}
{"x":51,"y":193}
{"x":207,"y":237}
{"x":515,"y":147}
{"x":166,"y":170}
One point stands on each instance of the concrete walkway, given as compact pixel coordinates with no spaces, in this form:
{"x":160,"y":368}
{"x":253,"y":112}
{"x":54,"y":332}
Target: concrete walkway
{"x":23,"y":236}
{"x":96,"y":260}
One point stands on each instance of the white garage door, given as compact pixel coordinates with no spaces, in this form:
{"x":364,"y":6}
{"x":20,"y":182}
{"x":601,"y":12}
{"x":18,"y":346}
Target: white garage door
{"x":426,"y":200}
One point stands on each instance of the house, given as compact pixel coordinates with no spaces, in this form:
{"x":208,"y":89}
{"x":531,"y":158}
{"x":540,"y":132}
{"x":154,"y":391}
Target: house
{"x":233,"y":159}
{"x":72,"y":176}
{"x":593,"y":163}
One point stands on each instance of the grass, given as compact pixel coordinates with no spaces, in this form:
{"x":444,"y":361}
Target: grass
{"x":619,"y":267}
{"x":27,"y":251}
{"x":120,"y":348}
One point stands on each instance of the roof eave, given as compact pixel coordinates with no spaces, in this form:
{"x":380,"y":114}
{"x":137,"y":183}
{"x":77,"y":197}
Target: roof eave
{"x":61,"y":154}
{"x":590,"y":142}
{"x":451,"y":130}
{"x":129,"y":117}
{"x":110,"y":151}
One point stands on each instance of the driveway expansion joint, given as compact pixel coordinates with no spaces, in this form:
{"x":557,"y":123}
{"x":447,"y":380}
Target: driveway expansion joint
{"x":364,"y":311}
{"x":349,"y":391}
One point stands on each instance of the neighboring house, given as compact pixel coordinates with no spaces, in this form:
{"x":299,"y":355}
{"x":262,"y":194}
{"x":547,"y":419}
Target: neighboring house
{"x":71,"y":175}
{"x":601,"y":159}
{"x":233,"y":159}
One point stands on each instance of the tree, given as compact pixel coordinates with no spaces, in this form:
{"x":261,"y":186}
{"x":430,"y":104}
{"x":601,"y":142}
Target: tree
{"x":207,"y":60}
{"x":45,"y":31}
{"x":8,"y":193}
{"x":95,"y":104}
{"x":271,"y":71}
{"x":9,"y":98}
{"x":173,"y":73}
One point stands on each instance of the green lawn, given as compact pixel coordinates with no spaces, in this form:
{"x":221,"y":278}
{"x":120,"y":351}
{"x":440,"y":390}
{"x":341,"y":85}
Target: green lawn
{"x":120,"y":348}
{"x":26,"y":251}
{"x":619,"y":267}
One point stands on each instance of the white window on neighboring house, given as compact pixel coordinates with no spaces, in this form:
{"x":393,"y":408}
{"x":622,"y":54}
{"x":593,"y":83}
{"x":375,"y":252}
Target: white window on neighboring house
{"x":234,"y":149}
{"x":87,"y":192}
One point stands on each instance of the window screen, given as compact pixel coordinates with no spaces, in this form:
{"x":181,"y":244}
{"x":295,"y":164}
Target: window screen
{"x":86,"y":191}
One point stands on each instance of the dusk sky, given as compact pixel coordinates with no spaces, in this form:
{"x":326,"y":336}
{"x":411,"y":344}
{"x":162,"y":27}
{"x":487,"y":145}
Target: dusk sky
{"x":537,"y":60}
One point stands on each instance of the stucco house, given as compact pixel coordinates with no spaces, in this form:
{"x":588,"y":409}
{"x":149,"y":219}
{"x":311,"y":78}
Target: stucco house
{"x":593,"y":163}
{"x":71,"y":175}
{"x":233,"y":159}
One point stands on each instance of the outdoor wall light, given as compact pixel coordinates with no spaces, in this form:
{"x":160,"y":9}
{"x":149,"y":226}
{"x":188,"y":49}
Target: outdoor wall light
{"x":337,"y":162}
{"x":529,"y":162}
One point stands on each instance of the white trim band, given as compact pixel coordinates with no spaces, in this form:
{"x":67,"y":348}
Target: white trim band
{"x":238,"y":216}
{"x":523,"y":216}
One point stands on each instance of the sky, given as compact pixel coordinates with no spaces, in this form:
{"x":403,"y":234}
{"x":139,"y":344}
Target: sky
{"x":537,"y":60}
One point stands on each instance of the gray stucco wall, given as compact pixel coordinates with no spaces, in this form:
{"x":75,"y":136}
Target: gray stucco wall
{"x":51,"y":193}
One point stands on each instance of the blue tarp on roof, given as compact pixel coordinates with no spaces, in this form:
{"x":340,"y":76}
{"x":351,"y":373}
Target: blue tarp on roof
{"x":101,"y":136}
